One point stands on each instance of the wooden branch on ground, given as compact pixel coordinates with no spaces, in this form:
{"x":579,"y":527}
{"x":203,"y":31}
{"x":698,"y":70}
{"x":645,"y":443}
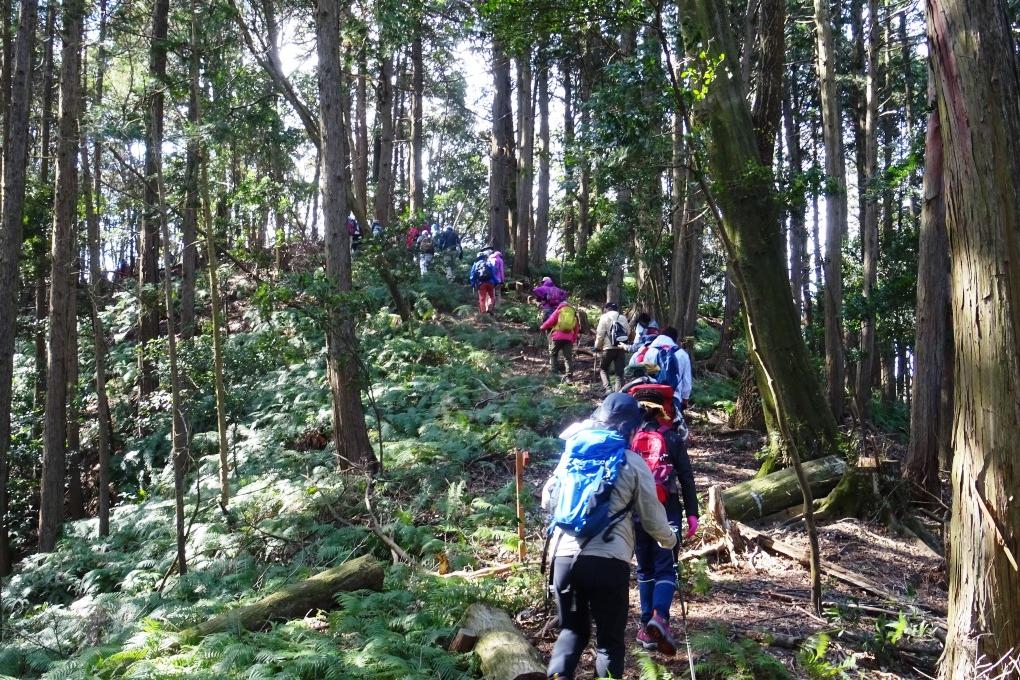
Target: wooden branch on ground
{"x":847,"y":576}
{"x":710,"y":549}
{"x":504,"y":652}
{"x":297,"y":599}
{"x":766,"y":495}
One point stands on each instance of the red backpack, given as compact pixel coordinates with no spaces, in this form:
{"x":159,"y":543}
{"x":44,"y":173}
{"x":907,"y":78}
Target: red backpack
{"x":657,"y":394}
{"x":651,"y":445}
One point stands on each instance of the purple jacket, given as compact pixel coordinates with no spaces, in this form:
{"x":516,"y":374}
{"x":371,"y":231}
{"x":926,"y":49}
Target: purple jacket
{"x":549,"y":295}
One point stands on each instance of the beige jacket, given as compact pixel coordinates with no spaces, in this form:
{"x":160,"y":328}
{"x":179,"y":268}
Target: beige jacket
{"x":635,"y":482}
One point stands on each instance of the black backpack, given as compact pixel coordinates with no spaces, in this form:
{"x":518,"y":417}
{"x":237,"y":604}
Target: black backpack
{"x":618,"y":334}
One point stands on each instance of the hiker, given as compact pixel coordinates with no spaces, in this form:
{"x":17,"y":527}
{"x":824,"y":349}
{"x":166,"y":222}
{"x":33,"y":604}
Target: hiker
{"x":564,"y":329}
{"x":377,"y":230}
{"x":645,"y":330}
{"x":548,"y":296}
{"x":354,"y":232}
{"x":450,"y":249}
{"x":590,"y":559}
{"x":412,"y":237}
{"x":611,"y":336}
{"x":482,"y":279}
{"x":426,"y":246}
{"x":664,"y":450}
{"x":496,"y":260}
{"x":668,"y":364}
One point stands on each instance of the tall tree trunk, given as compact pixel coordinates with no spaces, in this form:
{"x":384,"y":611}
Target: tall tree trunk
{"x":753,"y":241}
{"x":836,"y":208}
{"x":869,"y":228}
{"x":91,"y":192}
{"x":65,"y":203}
{"x":768,"y":102}
{"x":525,"y":163}
{"x":149,"y":322}
{"x":346,"y":373}
{"x":189,"y":221}
{"x":45,"y":127}
{"x":178,"y":429}
{"x":360,"y":160}
{"x":6,"y":68}
{"x":685,"y":275}
{"x":569,"y":164}
{"x":16,"y":141}
{"x":501,"y":150}
{"x":90,"y":189}
{"x":584,"y":220}
{"x":978,"y":92}
{"x":722,"y":356}
{"x":75,"y":503}
{"x":417,"y":120}
{"x":799,"y":275}
{"x":384,"y":144}
{"x":541,"y":244}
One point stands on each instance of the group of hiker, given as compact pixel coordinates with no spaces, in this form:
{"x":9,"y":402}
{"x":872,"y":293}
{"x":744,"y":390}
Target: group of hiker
{"x":429,"y":241}
{"x":622,"y":489}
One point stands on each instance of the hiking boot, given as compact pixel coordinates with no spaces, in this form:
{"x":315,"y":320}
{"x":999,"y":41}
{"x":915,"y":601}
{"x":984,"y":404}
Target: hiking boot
{"x":658,"y":629}
{"x":645,"y":640}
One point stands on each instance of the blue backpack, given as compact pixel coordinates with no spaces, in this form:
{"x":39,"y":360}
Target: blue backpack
{"x":587,"y":474}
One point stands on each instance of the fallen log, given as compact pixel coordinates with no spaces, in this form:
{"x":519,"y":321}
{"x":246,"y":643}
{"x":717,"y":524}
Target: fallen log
{"x":504,"y":653}
{"x":294,"y":600}
{"x":766,"y":495}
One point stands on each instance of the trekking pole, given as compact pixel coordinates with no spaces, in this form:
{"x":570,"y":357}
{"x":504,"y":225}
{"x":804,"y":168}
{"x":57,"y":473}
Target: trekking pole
{"x":683,"y":611}
{"x":521,"y":460}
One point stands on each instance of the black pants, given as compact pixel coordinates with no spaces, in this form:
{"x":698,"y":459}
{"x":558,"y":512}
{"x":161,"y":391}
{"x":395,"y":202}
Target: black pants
{"x":616,"y":358}
{"x":596,"y":589}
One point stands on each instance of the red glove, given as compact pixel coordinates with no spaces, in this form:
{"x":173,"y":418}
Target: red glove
{"x":692,"y":526}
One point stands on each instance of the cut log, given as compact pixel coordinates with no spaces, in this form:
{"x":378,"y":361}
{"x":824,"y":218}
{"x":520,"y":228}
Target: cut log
{"x":766,"y":495}
{"x":297,"y":599}
{"x":505,"y":654}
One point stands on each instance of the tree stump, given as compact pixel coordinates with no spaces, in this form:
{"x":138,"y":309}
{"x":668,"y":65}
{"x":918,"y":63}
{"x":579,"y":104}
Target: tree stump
{"x":297,"y":599}
{"x":504,"y":652}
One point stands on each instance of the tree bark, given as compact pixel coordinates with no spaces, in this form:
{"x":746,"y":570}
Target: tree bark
{"x":978,"y":93}
{"x":501,"y":150}
{"x":525,"y":164}
{"x":869,"y":228}
{"x":799,"y":275}
{"x":360,"y":161}
{"x":346,"y":372}
{"x":65,"y":203}
{"x":569,"y":164}
{"x":417,"y":120}
{"x":295,"y":600}
{"x":189,"y":221}
{"x":835,"y":206}
{"x":541,"y":244}
{"x":16,"y":142}
{"x":768,"y":101}
{"x":384,"y":144}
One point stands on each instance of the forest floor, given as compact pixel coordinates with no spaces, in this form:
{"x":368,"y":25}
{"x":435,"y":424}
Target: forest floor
{"x":766,"y":597}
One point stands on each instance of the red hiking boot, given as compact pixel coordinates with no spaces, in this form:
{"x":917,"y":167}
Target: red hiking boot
{"x":658,"y":629}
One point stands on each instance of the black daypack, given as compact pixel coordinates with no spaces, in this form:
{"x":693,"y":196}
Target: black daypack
{"x":483,"y":272}
{"x":618,"y":334}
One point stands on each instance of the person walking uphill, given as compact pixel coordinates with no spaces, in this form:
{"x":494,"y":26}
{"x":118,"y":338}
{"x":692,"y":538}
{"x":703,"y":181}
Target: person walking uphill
{"x":665,"y":452}
{"x":564,"y":329}
{"x":592,"y":542}
{"x":496,"y":261}
{"x":611,"y":340}
{"x":450,"y":249}
{"x":482,"y":279}
{"x":549,"y":296}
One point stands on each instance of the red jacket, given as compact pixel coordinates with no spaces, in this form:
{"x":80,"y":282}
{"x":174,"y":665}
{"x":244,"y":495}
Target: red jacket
{"x":412,"y":237}
{"x":550,"y":323}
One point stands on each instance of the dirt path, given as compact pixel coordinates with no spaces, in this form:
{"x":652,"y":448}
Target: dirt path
{"x":763,"y":593}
